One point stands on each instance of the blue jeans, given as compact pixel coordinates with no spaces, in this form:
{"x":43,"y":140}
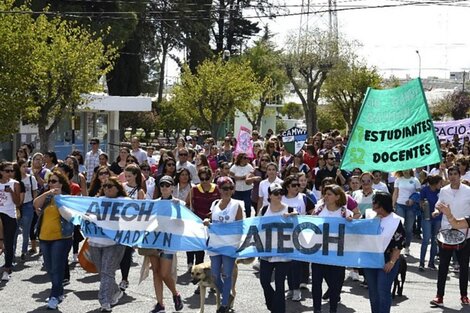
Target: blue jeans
{"x":380,"y":285}
{"x":244,"y":196}
{"x":27,"y":214}
{"x":223,"y":280}
{"x":409,"y":214}
{"x":55,"y":253}
{"x":430,"y":229}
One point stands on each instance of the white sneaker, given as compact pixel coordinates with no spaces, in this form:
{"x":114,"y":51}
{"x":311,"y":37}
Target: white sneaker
{"x":52,"y":303}
{"x":354,"y":276}
{"x":289,"y":294}
{"x":256,"y":266}
{"x":106,"y":308}
{"x":117,"y":297}
{"x":407,"y":251}
{"x":6,"y":276}
{"x":296,"y":295}
{"x":303,"y":286}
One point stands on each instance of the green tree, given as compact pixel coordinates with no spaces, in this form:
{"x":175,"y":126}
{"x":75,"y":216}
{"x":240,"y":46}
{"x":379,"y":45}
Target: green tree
{"x":216,"y":91}
{"x":328,"y":119}
{"x":308,"y":59}
{"x":292,"y":110}
{"x":347,"y":85}
{"x":62,"y":61}
{"x":264,"y":60}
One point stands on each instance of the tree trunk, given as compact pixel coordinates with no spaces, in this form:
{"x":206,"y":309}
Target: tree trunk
{"x":43,"y":138}
{"x":311,"y":111}
{"x":262,"y":108}
{"x":161,"y":82}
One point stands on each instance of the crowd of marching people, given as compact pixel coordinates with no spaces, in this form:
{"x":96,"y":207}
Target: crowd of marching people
{"x":221,"y":186}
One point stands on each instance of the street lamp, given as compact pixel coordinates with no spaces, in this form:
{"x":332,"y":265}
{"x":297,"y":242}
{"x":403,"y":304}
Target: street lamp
{"x":419,"y":60}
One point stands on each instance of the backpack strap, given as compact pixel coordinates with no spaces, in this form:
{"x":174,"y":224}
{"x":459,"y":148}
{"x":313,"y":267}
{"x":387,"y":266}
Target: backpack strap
{"x":263,"y":210}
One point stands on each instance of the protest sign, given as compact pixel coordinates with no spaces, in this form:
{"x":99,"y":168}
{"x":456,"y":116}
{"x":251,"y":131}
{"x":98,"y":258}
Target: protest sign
{"x":393,"y":131}
{"x":244,"y":142}
{"x":294,"y":139}
{"x":447,"y":130}
{"x":169,"y":225}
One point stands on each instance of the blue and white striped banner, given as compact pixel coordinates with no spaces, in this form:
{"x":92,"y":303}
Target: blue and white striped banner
{"x":170,"y":225}
{"x":332,"y":241}
{"x":164,"y":224}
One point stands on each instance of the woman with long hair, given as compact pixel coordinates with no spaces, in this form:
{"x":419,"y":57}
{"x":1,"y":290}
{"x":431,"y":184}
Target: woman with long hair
{"x":149,"y":180}
{"x":225,"y":210}
{"x":169,"y":169}
{"x":162,"y":264}
{"x":9,"y":200}
{"x":27,"y":209}
{"x":55,"y":235}
{"x":77,"y":177}
{"x":240,"y":173}
{"x":21,"y":153}
{"x":101,"y":175}
{"x":106,"y":254}
{"x":333,"y":205}
{"x":118,"y":166}
{"x":134,"y":189}
{"x":183,"y":184}
{"x":406,"y":185}
{"x":199,"y":200}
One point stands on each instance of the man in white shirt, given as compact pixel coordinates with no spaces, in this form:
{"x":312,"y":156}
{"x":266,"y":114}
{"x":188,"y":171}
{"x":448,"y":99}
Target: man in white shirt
{"x":377,"y":182}
{"x":92,"y":159}
{"x":183,"y":163}
{"x":136,"y":151}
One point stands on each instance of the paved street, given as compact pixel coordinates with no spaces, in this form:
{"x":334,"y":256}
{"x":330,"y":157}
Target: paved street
{"x":29,"y":287}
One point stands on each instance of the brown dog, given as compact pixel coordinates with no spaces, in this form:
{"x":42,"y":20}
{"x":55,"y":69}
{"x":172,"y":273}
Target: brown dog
{"x":201,"y":274}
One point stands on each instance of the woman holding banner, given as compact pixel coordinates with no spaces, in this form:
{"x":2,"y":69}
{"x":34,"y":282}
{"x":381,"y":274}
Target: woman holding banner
{"x":162,"y":262}
{"x":55,"y":235}
{"x":405,"y":185}
{"x":225,"y":210}
{"x":106,"y":254}
{"x":380,"y":280}
{"x":333,"y":205}
{"x":275,"y":298}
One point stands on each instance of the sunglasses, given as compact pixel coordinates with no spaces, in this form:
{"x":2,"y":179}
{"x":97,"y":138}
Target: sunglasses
{"x":108,"y":186}
{"x":276,"y":193}
{"x":183,"y":154}
{"x":294,"y":185}
{"x":227,"y":188}
{"x":204,"y":178}
{"x":165,"y":185}
{"x":8,"y":171}
{"x":130,"y":161}
{"x":103,"y":173}
{"x":53,"y":181}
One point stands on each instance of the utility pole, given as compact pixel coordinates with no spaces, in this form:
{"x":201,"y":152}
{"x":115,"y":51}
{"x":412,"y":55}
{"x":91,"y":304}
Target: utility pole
{"x":419,"y":65}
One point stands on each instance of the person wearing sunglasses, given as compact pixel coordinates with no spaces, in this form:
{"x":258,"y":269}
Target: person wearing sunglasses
{"x":199,"y":200}
{"x":92,"y":159}
{"x":330,"y":170}
{"x":149,"y":180}
{"x":169,"y":169}
{"x":101,"y":175}
{"x":302,"y":204}
{"x":9,"y":200}
{"x":184,"y":163}
{"x":240,"y":172}
{"x":274,"y":297}
{"x":55,"y":235}
{"x":106,"y":254}
{"x":162,"y":264}
{"x":225,"y":210}
{"x":333,"y":204}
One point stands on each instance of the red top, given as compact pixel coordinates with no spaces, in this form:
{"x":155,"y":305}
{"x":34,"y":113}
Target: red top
{"x":75,"y":189}
{"x":201,"y":200}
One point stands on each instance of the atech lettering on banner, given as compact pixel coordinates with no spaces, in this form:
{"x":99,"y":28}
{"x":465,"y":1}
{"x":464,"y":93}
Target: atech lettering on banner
{"x":287,"y":232}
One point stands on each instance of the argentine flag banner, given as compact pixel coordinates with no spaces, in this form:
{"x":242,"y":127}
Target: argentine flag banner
{"x":169,"y":225}
{"x":331,"y":241}
{"x":162,"y":224}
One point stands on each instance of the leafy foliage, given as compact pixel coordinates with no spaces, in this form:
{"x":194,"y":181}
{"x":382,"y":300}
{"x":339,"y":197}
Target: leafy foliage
{"x":292,"y":110}
{"x":347,"y":85}
{"x":216,"y":91}
{"x":46,"y":65}
{"x":329,"y":119}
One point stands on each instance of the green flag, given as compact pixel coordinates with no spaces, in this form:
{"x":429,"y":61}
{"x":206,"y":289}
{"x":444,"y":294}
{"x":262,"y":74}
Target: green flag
{"x":394,"y":131}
